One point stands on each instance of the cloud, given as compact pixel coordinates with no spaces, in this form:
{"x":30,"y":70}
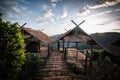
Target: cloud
{"x":47,"y":17}
{"x":19,"y":9}
{"x":97,"y":18}
{"x":118,"y":10}
{"x":115,"y":20}
{"x":83,"y":12}
{"x":53,"y":5}
{"x":55,"y":0}
{"x":104,"y":3}
{"x":9,"y":15}
{"x":14,"y":10}
{"x":24,"y":1}
{"x":40,"y":19}
{"x":102,"y":13}
{"x":16,"y":6}
{"x":64,"y":13}
{"x":99,"y":14}
{"x":118,"y":30}
{"x":48,"y":14}
{"x":44,"y":7}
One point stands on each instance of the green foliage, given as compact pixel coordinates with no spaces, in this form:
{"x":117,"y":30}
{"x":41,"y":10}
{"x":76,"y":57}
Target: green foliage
{"x":12,"y":55}
{"x":34,"y":62}
{"x":101,"y":53}
{"x":34,"y":58}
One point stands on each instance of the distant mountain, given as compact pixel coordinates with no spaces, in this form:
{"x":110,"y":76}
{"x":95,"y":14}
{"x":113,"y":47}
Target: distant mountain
{"x":101,"y":38}
{"x":55,"y":36}
{"x":106,"y":38}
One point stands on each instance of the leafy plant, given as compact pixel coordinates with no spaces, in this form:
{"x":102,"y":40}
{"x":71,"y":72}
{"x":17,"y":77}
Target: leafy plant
{"x":33,"y":62}
{"x":12,"y":55}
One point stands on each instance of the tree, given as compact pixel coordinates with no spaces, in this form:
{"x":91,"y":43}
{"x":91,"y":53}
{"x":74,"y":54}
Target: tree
{"x":12,"y":54}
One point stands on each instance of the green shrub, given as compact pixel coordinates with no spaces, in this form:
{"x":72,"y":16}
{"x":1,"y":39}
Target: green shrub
{"x":101,"y":53}
{"x":34,"y":62}
{"x":12,"y":55}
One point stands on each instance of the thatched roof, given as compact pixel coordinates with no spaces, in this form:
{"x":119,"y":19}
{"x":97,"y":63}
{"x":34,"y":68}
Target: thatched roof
{"x":37,"y":34}
{"x":113,"y":48}
{"x":76,"y":35}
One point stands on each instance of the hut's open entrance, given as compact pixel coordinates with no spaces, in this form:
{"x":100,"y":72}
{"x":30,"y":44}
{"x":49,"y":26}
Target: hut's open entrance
{"x":76,"y":36}
{"x":32,"y":45}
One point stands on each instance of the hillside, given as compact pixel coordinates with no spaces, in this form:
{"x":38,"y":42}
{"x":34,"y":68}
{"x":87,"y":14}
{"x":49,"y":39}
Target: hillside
{"x":106,"y":38}
{"x":55,"y":36}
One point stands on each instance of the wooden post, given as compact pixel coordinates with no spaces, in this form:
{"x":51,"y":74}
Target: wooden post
{"x":65,"y":54}
{"x":86,"y":60}
{"x":48,"y":50}
{"x":58,"y":45}
{"x":66,"y":51}
{"x":91,"y":50}
{"x":63,"y":45}
{"x":91,"y":55}
{"x":67,"y":46}
{"x":39,"y":47}
{"x":77,"y":50}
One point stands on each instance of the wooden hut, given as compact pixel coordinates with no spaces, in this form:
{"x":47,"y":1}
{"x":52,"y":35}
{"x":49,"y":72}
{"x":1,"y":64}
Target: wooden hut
{"x":113,"y":48}
{"x":76,"y":35}
{"x":113,"y":51}
{"x":34,"y":39}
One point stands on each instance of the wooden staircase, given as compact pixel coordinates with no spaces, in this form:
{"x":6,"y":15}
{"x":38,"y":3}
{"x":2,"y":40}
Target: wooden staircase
{"x":55,"y":69}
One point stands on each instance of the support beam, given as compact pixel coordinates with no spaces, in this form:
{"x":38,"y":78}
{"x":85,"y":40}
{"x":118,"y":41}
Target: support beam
{"x":48,"y":50}
{"x":86,"y":59}
{"x":67,"y":45}
{"x":78,"y":24}
{"x":65,"y":54}
{"x":39,"y":47}
{"x":66,"y":51}
{"x":63,"y":45}
{"x":91,"y":49}
{"x":81,"y":22}
{"x":74,"y":22}
{"x":76,"y":51}
{"x":58,"y":45}
{"x":91,"y":55}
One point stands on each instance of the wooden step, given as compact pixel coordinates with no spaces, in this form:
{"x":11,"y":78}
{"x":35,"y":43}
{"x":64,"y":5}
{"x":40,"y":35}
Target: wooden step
{"x":58,"y":78}
{"x":53,"y":69}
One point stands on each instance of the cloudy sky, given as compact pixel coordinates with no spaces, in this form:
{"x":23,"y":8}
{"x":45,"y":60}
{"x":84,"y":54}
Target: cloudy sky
{"x":54,"y":16}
